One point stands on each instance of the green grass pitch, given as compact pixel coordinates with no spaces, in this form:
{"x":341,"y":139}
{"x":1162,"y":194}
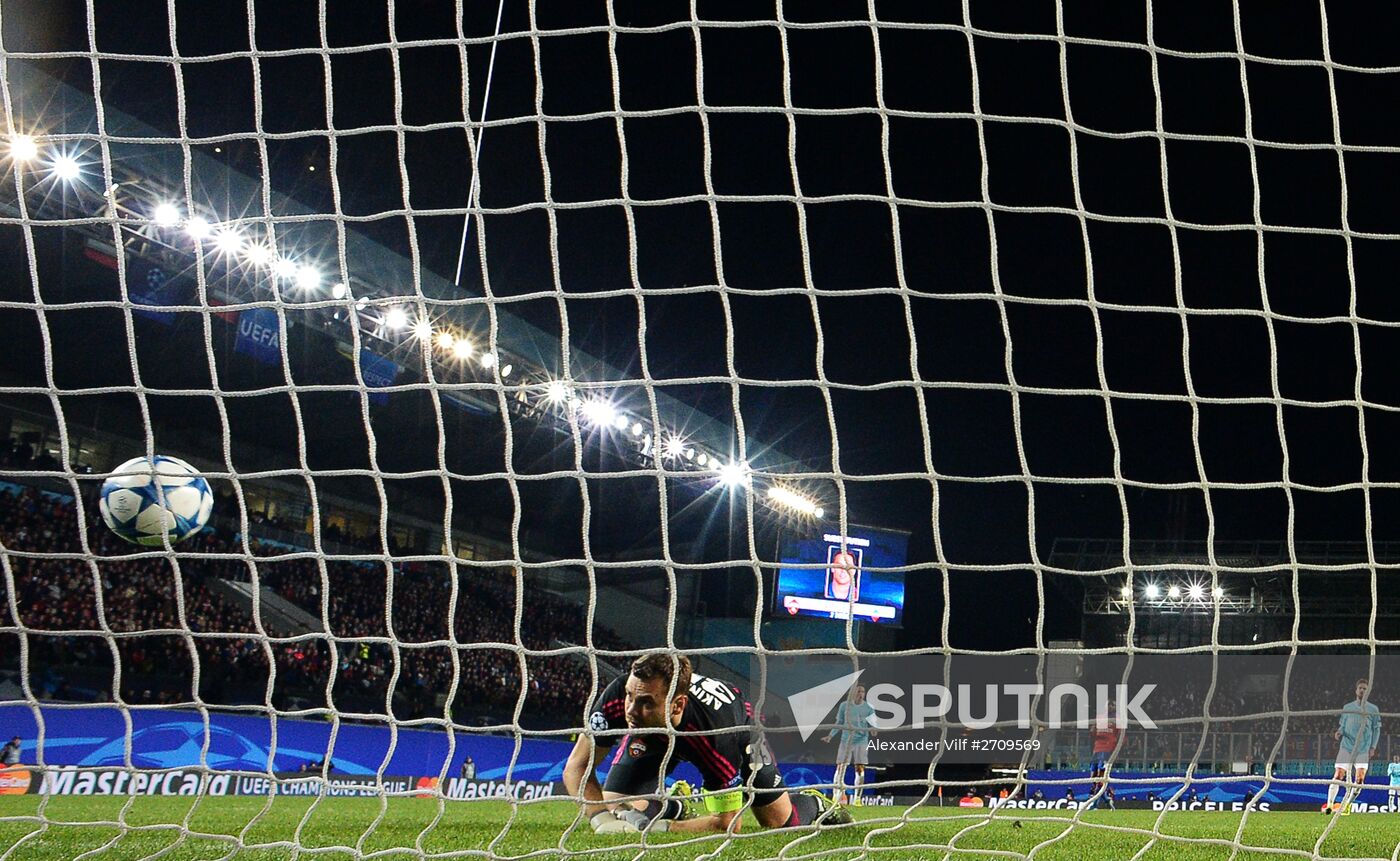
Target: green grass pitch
{"x":342,"y":828}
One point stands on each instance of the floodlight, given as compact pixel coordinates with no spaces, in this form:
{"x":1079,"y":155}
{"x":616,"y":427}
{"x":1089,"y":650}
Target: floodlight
{"x":228,"y":241}
{"x":675,"y":447}
{"x":23,"y":148}
{"x":166,"y":215}
{"x":487,"y":359}
{"x":731,"y":474}
{"x":395,"y":318}
{"x":339,"y":290}
{"x":66,"y":168}
{"x":1152,"y":590}
{"x":308,"y":277}
{"x":258,"y":254}
{"x":1174,"y":591}
{"x":557,"y":392}
{"x":197,"y":227}
{"x":462,"y":349}
{"x":444,"y":340}
{"x":284,"y":269}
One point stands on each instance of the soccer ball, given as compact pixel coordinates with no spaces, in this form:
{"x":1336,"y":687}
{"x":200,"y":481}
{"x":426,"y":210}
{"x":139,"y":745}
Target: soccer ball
{"x":151,"y":501}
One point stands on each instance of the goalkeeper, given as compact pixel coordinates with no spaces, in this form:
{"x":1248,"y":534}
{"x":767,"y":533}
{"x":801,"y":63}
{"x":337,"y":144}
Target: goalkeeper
{"x":719,"y":742}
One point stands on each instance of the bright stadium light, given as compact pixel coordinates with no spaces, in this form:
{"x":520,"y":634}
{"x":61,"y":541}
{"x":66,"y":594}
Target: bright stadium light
{"x":1125,"y":592}
{"x":308,"y":277}
{"x":556,"y":392}
{"x":462,"y":349}
{"x":1196,"y":591}
{"x":506,"y":369}
{"x":690,"y":454}
{"x":395,"y":318}
{"x":361,"y":303}
{"x":791,"y":500}
{"x":258,"y":254}
{"x":599,"y":412}
{"x":819,"y":513}
{"x":487,"y":359}
{"x":675,"y":447}
{"x":1152,"y":590}
{"x":1174,"y":591}
{"x":339,"y":290}
{"x":1218,"y":592}
{"x":732,"y":474}
{"x":66,"y":168}
{"x":444,"y":340}
{"x":197,"y":227}
{"x":422,"y":329}
{"x":228,"y":241}
{"x":637,"y":428}
{"x":165,"y":215}
{"x":702,"y":458}
{"x":284,"y":269}
{"x":23,"y":148}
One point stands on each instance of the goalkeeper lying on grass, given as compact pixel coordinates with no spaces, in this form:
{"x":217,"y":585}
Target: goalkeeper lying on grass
{"x":732,"y":766}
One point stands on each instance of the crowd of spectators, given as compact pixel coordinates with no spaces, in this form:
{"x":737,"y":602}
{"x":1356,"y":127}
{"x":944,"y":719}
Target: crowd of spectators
{"x":383,"y":639}
{"x":370,"y":540}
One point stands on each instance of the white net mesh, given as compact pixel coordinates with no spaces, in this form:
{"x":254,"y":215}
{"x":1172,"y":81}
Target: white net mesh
{"x":515,"y":341}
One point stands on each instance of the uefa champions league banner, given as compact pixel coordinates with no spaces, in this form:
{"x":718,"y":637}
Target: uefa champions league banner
{"x":1204,"y":792}
{"x":75,"y":780}
{"x":95,"y":737}
{"x":149,"y":285}
{"x":260,"y":335}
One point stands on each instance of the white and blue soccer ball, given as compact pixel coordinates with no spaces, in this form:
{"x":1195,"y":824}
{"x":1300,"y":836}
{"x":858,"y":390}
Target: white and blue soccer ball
{"x":143,"y":501}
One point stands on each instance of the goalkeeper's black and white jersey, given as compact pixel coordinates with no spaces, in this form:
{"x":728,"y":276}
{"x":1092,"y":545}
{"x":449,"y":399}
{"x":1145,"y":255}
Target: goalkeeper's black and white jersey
{"x":714,"y":707}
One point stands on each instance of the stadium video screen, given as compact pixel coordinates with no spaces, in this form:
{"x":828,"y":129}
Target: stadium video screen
{"x":841,"y":583}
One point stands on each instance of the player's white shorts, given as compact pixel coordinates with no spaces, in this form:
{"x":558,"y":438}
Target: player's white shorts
{"x":1346,"y":759}
{"x":856,"y":754}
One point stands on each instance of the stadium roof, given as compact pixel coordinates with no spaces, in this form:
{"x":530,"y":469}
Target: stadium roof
{"x":68,"y":117}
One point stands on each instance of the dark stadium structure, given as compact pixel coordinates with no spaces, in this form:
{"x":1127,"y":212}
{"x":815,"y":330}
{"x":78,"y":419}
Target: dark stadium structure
{"x":1259,"y":587}
{"x":350,"y":631}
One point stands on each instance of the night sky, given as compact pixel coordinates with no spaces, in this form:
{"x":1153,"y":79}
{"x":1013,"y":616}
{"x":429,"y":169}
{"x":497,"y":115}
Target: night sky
{"x":1160,"y":310}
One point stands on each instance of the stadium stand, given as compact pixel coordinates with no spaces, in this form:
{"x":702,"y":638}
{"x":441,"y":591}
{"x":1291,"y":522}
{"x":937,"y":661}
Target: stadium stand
{"x":139,"y":599}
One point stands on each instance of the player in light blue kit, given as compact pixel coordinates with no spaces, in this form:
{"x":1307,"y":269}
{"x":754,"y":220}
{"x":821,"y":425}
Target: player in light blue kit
{"x":1393,"y":772}
{"x":1359,"y":732}
{"x":853,"y":723}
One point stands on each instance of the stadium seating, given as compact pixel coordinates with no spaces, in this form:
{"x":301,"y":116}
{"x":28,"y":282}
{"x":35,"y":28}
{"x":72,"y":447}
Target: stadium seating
{"x":139,"y":606}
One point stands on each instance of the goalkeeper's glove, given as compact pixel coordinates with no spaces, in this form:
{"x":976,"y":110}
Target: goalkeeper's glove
{"x":640,"y":822}
{"x":606,"y":823}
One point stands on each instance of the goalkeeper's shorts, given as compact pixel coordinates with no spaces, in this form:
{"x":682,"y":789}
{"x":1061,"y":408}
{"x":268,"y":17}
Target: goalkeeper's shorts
{"x":637,"y":769}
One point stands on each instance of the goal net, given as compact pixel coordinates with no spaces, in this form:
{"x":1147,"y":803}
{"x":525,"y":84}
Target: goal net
{"x":864,"y":355}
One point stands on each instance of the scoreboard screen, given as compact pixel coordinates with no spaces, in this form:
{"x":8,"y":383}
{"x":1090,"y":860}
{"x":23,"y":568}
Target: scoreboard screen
{"x":837,"y":578}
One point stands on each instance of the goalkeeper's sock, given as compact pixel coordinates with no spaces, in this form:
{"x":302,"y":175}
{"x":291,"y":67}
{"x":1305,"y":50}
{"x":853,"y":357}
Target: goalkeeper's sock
{"x":805,"y":809}
{"x":860,"y":783}
{"x":839,"y":787}
{"x":1331,"y":794}
{"x":670,"y":808}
